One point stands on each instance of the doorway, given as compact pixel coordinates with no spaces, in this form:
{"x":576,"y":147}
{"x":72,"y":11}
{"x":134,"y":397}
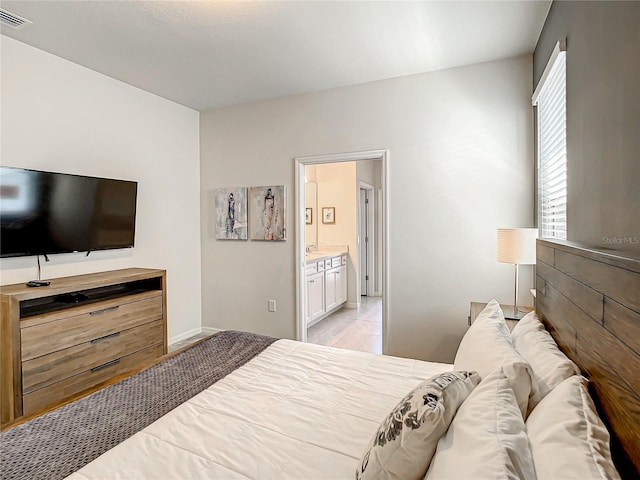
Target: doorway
{"x":301,"y":224}
{"x":366,"y":233}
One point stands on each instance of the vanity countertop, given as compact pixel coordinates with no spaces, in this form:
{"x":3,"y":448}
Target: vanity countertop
{"x":313,"y":256}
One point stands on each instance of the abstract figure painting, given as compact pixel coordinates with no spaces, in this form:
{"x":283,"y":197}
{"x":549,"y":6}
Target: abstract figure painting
{"x":231,"y":213}
{"x":268,"y":213}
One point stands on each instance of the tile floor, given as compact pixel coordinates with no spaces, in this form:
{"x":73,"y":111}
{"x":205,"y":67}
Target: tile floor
{"x":354,"y":329}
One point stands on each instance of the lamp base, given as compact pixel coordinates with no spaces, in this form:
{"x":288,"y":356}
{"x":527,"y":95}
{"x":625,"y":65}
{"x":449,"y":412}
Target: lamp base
{"x":509,"y":314}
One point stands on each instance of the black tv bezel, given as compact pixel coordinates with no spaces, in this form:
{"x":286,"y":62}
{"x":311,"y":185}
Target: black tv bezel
{"x":57,"y":252}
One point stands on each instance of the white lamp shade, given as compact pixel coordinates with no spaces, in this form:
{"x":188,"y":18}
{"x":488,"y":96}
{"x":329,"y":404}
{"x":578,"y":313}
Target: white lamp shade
{"x":517,"y":245}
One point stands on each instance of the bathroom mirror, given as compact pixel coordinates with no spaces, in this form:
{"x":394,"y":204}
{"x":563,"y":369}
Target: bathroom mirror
{"x":311,"y":204}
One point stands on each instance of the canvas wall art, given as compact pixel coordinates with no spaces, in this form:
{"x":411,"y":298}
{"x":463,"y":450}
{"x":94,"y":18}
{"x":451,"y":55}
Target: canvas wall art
{"x":231,"y":213}
{"x":267,"y":206}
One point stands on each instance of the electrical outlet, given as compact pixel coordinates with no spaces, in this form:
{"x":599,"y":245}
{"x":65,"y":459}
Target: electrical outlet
{"x":272,"y":305}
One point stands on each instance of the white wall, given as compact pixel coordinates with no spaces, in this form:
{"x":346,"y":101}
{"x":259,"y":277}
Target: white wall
{"x":461,"y":166}
{"x":62,"y":117}
{"x":369,"y":171}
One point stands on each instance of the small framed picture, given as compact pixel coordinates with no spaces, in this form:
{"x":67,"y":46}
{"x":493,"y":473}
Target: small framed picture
{"x":308,"y":216}
{"x":328,"y":215}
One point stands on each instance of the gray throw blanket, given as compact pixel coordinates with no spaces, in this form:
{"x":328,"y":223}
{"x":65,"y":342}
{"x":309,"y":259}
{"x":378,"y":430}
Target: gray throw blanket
{"x":61,"y":442}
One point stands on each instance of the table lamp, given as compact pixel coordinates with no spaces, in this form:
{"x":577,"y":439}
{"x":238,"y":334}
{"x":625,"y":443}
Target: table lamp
{"x":517,"y":246}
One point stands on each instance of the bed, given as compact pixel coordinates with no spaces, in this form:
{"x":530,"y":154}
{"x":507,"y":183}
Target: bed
{"x":270,"y":408}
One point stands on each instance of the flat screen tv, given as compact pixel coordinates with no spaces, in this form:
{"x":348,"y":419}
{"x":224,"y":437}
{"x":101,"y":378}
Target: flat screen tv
{"x":46,"y":213}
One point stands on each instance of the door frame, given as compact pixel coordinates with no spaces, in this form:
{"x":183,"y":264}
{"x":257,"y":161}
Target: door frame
{"x":370,"y":246}
{"x":300,"y":163}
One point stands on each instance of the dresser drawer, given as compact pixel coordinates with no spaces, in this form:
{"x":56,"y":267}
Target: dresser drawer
{"x":54,"y":367}
{"x":90,"y":322}
{"x":52,"y":394}
{"x":335,"y":262}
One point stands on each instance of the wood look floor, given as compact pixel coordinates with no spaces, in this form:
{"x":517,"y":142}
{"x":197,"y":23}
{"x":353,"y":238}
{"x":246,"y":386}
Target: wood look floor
{"x":350,"y":328}
{"x":187,"y":341}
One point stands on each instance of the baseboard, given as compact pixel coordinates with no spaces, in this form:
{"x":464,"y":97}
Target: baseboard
{"x":211,"y":330}
{"x":184,"y":335}
{"x":192,"y":332}
{"x":352,"y":305}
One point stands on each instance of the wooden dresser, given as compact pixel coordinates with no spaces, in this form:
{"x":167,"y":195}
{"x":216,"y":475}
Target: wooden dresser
{"x":76,"y":335}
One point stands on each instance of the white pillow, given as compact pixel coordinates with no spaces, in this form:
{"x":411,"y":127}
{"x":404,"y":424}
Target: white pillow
{"x":487,"y":346}
{"x":568,"y":439}
{"x":550,"y":366}
{"x":404,"y":444}
{"x":487,"y":438}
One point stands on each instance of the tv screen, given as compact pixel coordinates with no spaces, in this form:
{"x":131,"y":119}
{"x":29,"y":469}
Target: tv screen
{"x":46,"y":212}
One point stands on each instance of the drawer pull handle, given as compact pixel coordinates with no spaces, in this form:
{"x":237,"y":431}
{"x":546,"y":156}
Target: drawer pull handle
{"x":105,"y":310}
{"x":99,"y":339}
{"x":105,"y":365}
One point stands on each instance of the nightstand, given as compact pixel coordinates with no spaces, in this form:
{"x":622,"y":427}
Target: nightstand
{"x":477,"y":307}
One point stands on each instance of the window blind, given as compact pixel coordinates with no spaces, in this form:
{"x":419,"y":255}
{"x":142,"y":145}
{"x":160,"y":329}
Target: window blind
{"x":550,"y":99}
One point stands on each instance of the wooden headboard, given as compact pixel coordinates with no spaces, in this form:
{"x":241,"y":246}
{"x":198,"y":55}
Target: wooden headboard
{"x":590,"y":302}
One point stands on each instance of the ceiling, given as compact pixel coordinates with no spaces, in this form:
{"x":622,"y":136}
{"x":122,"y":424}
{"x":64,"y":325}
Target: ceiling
{"x":209,"y":54}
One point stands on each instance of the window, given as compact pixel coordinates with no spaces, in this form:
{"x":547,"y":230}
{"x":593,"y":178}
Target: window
{"x":551,"y":103}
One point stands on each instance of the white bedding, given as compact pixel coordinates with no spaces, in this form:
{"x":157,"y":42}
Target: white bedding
{"x":297,"y":410}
